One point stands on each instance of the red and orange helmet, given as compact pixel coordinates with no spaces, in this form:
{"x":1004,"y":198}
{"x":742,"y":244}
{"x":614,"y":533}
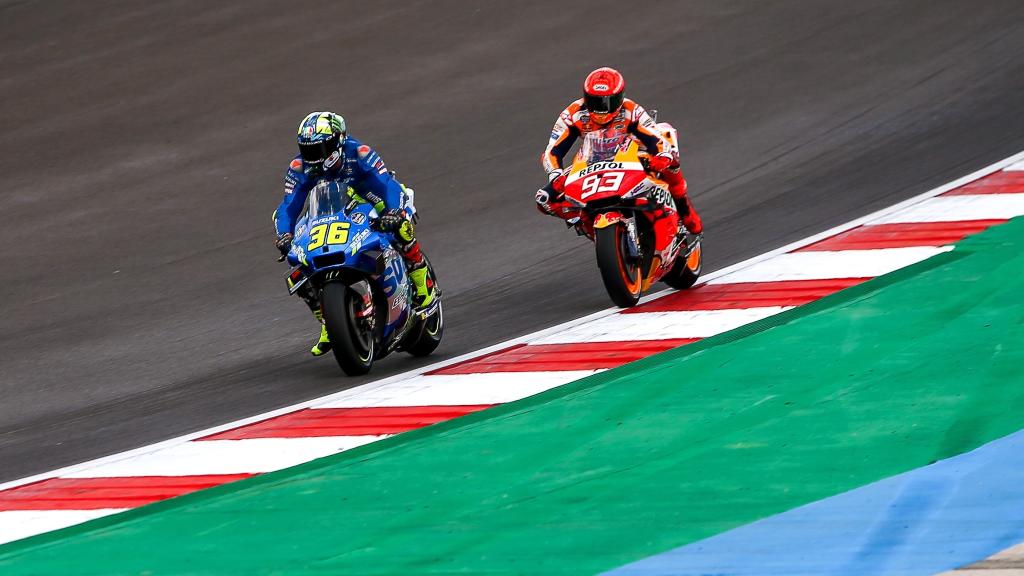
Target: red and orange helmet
{"x":603,"y":94}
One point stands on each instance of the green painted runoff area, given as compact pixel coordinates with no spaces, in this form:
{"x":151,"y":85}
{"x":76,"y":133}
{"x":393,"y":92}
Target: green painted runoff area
{"x":887,"y":376}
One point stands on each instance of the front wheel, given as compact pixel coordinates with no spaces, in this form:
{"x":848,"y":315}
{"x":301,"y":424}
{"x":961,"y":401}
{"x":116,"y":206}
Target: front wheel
{"x":431,"y":330}
{"x":686,"y":270}
{"x":351,"y":340}
{"x":622,"y":276}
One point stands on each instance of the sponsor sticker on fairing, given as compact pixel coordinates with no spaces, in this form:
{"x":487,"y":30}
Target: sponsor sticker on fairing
{"x":401,"y":299}
{"x":661,"y":196}
{"x":324,"y":220}
{"x":357,"y":241}
{"x":599,"y":166}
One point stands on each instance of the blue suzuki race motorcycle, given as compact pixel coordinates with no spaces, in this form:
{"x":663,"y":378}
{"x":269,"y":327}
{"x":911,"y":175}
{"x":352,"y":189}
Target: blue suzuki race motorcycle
{"x":343,"y":262}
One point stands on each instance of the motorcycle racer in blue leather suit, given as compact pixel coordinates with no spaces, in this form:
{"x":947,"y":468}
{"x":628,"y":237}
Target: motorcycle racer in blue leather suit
{"x":326,"y":151}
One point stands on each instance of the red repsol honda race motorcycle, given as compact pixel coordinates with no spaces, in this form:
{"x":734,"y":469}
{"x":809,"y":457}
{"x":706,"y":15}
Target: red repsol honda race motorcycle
{"x":630,"y":215}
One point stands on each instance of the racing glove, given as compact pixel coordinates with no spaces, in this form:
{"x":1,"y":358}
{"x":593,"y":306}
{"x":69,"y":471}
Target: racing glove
{"x":391,"y":220}
{"x":662,"y":161}
{"x":543,"y":198}
{"x":284,"y":243}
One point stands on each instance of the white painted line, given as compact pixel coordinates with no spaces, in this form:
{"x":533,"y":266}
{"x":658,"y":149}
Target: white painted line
{"x":1015,"y":167}
{"x":662,"y":325}
{"x":826,"y":265}
{"x":252,"y":456}
{"x":460,"y":389}
{"x":18,"y":524}
{"x":955,"y":208}
{"x":370,"y":387}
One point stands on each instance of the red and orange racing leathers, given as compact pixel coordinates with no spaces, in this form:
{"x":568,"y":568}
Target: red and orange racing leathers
{"x":631,"y":118}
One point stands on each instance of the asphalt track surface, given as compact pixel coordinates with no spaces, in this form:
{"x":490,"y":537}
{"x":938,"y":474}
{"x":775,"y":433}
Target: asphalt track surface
{"x":143,"y":144}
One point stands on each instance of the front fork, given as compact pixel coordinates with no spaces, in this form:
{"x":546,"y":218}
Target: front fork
{"x":299,"y":285}
{"x":606,"y":219}
{"x":633,"y":244}
{"x":364,"y":308}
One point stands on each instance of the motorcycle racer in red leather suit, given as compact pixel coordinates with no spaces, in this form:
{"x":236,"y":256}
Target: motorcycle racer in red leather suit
{"x":604,"y":107}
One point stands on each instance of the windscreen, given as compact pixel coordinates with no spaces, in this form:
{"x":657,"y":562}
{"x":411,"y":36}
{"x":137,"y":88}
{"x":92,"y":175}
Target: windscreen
{"x":602,"y":145}
{"x":326,"y":198}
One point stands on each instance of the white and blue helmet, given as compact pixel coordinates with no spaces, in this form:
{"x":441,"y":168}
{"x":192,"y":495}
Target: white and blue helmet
{"x":321,"y":137}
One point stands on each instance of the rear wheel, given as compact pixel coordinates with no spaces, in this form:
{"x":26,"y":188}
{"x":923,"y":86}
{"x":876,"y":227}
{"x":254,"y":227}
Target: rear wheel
{"x":686,"y":270}
{"x":351,"y":340}
{"x":622,"y":277}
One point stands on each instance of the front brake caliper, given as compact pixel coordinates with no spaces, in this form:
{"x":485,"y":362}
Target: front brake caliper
{"x":634,"y":239}
{"x":365,"y":312}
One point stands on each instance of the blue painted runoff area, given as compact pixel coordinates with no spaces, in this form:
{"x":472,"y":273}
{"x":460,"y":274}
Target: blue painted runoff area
{"x":929,"y":520}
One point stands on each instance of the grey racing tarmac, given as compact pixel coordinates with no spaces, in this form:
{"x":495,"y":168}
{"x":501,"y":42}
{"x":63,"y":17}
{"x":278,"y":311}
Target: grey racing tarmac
{"x":143,"y":147}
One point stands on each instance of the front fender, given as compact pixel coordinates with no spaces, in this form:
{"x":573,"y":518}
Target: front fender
{"x":606,"y":219}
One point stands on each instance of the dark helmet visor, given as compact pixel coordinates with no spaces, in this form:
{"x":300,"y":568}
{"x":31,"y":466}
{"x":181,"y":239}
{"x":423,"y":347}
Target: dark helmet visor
{"x":603,"y":104}
{"x":315,"y":153}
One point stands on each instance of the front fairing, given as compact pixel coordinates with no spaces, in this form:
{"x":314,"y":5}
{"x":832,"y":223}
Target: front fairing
{"x":608,"y":185}
{"x":342,"y":239}
{"x":396,"y":287}
{"x":300,"y":239}
{"x":326,"y":242}
{"x":605,"y":169}
{"x":604,"y":181}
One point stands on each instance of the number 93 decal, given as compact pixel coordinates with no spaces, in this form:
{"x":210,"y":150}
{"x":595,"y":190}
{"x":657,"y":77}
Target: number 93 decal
{"x":333,"y":233}
{"x":606,"y":182}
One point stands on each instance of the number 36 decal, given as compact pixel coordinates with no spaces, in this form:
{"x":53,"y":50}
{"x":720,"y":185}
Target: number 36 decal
{"x":606,"y":182}
{"x":333,"y":233}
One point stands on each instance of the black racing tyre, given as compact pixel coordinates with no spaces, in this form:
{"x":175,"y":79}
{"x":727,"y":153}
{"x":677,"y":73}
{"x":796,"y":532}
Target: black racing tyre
{"x":622,"y":279}
{"x":430,"y":333}
{"x":686,"y":271}
{"x":352,"y":345}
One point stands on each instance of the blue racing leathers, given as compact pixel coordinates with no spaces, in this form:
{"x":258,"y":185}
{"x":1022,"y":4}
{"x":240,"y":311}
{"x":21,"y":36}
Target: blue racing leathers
{"x":360,"y":168}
